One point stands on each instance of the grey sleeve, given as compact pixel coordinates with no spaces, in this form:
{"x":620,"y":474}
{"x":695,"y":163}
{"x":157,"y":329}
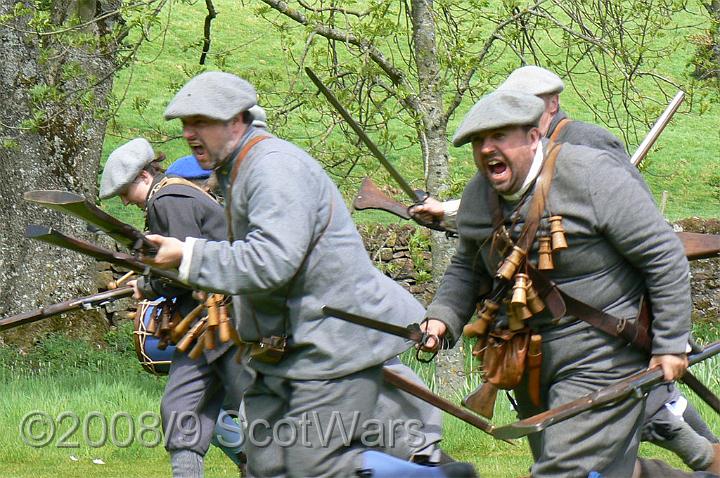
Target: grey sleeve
{"x":628,"y":217}
{"x":282,"y":198}
{"x":461,"y":287}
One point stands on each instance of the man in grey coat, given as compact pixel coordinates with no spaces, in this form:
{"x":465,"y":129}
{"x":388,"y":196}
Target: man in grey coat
{"x":553,"y":124}
{"x":684,"y":434}
{"x":294,"y":249}
{"x":619,"y":247}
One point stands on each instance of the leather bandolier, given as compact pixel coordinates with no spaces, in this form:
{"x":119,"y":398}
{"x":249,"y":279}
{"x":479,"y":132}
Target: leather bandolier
{"x":524,"y":290}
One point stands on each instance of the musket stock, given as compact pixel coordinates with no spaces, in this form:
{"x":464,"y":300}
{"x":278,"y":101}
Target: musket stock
{"x":76,"y":205}
{"x":371,"y":197}
{"x":62,"y":307}
{"x":637,"y":383}
{"x":700,"y":246}
{"x":426,"y":395}
{"x":482,"y":400}
{"x":51,"y":236}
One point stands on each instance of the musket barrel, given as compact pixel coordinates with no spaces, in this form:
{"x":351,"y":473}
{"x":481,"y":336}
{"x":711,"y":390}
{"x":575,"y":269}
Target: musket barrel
{"x":62,"y":307}
{"x":657,"y":128}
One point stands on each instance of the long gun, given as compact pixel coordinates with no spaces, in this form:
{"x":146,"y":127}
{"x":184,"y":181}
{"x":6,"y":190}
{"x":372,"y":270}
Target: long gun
{"x":415,"y":195}
{"x":638,"y":383}
{"x":87,"y":302}
{"x":51,"y":236}
{"x":76,"y":205}
{"x":426,"y":395}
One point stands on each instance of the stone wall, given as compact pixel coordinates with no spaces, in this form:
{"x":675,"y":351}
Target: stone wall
{"x":402,"y":252}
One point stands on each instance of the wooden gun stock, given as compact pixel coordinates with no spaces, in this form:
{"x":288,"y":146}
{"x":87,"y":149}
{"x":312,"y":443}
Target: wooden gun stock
{"x":482,"y":400}
{"x":700,"y":246}
{"x":426,"y":395}
{"x":371,"y":197}
{"x":62,"y":307}
{"x":76,"y":205}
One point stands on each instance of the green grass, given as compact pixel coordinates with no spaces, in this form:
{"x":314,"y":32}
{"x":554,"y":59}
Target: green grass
{"x":59,"y":375}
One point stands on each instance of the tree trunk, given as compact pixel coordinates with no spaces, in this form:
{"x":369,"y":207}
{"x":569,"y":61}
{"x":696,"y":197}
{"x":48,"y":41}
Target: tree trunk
{"x":435,"y":150}
{"x":49,"y":139}
{"x":714,"y":10}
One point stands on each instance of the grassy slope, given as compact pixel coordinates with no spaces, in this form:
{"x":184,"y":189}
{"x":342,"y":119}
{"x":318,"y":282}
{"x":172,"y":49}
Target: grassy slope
{"x":683,"y":161}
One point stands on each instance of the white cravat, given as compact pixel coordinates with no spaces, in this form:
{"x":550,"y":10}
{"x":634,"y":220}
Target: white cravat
{"x":532,"y":174}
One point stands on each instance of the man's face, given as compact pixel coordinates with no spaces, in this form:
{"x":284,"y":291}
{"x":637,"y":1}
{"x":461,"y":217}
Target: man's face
{"x":211,"y":140}
{"x":136,"y":192}
{"x":504,"y":156}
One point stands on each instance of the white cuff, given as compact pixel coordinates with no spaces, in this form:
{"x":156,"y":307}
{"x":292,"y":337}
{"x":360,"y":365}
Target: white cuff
{"x":184,"y":269}
{"x":450,"y":209}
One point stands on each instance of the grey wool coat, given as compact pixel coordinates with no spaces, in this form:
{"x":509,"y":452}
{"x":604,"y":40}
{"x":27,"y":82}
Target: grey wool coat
{"x":587,"y":134}
{"x":182,"y":211}
{"x":619,"y":246}
{"x":297,"y":249}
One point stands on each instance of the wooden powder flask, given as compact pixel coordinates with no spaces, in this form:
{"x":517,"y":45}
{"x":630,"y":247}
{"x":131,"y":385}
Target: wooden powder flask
{"x":486,"y":315}
{"x":545,"y":261}
{"x":165,"y":318}
{"x":519,"y":295}
{"x":533,"y":300}
{"x":200,"y":345}
{"x":194,"y":333}
{"x":511,"y":263}
{"x":213,"y":321}
{"x":152,"y":325}
{"x":557,"y":233}
{"x":183,"y":326}
{"x":227,"y":328}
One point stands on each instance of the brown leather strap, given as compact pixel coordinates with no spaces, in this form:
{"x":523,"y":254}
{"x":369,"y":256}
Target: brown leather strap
{"x":537,"y":205}
{"x":233,"y":175}
{"x":561,"y":124}
{"x":636,"y":335}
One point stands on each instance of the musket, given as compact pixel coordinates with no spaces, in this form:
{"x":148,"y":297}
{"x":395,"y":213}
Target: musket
{"x":700,"y":246}
{"x":412,"y":332}
{"x":638,"y":383}
{"x":426,"y":395}
{"x":76,"y":205}
{"x":657,"y":128}
{"x":417,"y":196}
{"x":51,"y":236}
{"x":87,"y":302}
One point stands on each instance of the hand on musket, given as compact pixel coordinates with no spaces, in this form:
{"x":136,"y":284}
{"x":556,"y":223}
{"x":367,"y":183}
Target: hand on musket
{"x":137,"y":294}
{"x":169,"y":252}
{"x":435,"y":329}
{"x":673,"y":365}
{"x":429,"y":211}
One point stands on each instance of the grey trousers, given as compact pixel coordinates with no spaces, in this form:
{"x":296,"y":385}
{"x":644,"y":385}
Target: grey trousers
{"x":301,"y":428}
{"x":578,"y":360}
{"x":394,"y":404}
{"x":663,"y":428}
{"x":194,"y":393}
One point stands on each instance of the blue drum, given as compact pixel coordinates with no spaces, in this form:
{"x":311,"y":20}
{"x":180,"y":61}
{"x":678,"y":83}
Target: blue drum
{"x":151,"y":358}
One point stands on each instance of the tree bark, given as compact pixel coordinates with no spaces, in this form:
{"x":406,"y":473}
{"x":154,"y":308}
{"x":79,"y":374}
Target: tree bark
{"x":449,"y":365}
{"x":52,"y":88}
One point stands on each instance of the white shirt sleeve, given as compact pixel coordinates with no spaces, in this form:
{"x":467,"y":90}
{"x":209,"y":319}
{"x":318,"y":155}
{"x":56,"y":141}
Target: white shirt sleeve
{"x":184,"y":269}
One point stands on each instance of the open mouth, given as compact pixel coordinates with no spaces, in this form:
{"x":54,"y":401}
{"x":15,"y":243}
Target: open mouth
{"x":497,"y":169}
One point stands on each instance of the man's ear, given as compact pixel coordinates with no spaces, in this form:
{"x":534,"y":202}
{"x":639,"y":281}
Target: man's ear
{"x":534,"y":135}
{"x":554,"y":104}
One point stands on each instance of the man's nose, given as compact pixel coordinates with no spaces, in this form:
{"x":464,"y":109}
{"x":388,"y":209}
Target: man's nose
{"x":188,"y":132}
